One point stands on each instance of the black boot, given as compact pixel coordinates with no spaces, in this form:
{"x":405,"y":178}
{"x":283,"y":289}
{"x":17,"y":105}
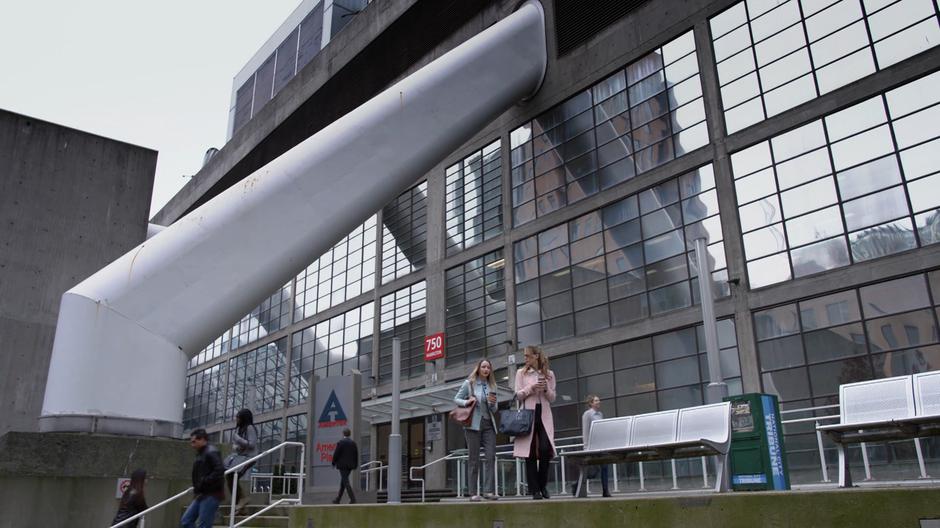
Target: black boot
{"x":544,"y":493}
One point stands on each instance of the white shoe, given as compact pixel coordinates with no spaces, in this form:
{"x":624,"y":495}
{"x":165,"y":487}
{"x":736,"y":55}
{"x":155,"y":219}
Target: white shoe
{"x":476,"y":498}
{"x":490,"y":496}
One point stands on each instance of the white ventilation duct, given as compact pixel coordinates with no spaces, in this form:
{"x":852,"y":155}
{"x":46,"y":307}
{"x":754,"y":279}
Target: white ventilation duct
{"x":125,"y":334}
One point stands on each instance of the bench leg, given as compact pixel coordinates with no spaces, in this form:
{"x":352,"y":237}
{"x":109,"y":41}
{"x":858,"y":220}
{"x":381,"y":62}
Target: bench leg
{"x":577,"y":491}
{"x":722,"y":473}
{"x":845,"y":475}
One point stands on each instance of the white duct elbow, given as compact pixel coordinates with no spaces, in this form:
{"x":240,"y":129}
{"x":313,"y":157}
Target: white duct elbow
{"x":125,"y":334}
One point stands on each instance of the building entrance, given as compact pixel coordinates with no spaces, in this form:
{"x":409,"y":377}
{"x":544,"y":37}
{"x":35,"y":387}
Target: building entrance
{"x":412,"y":441}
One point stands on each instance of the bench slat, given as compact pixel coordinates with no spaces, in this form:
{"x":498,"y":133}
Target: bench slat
{"x":876,"y":400}
{"x":927,"y":393}
{"x":610,"y":433}
{"x":654,"y":428}
{"x":705,"y":422}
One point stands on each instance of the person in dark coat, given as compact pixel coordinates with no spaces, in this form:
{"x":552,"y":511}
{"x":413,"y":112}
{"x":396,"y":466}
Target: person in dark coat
{"x":132,"y":501}
{"x":345,"y":459}
{"x":208,"y":482}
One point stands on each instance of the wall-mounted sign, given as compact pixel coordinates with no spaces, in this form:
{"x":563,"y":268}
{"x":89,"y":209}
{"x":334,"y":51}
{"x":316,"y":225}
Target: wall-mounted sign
{"x":122,"y":485}
{"x":434,"y":347}
{"x":435,"y":428}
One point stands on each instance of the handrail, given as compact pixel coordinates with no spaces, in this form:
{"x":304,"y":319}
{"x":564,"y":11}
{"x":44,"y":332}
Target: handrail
{"x":234,"y":486}
{"x":412,"y":478}
{"x":154,"y":507}
{"x":805,"y":409}
{"x":368,"y":473}
{"x":300,"y":483}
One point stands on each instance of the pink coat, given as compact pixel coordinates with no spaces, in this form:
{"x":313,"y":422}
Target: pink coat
{"x":526,"y":394}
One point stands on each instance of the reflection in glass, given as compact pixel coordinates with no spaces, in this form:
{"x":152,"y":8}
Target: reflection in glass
{"x":571,"y":141}
{"x":802,"y":46}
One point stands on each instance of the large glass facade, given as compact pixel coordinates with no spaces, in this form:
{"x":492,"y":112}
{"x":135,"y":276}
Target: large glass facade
{"x":773,"y":55}
{"x":629,"y":260}
{"x":808,"y":348}
{"x":403,"y":316}
{"x":342,"y":273}
{"x":256,"y":379}
{"x":607,"y":201}
{"x":856,"y":185}
{"x":405,"y":233}
{"x":476,"y":309}
{"x":637,"y":119}
{"x":205,"y":401}
{"x":654,"y":373}
{"x":474,"y":202}
{"x":270,"y":316}
{"x":333,"y":347}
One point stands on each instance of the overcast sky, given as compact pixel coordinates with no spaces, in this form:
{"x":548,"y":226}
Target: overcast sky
{"x":152,"y":73}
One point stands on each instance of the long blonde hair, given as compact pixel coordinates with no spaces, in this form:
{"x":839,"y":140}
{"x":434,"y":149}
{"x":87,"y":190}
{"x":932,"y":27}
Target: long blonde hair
{"x":542,"y":360}
{"x":475,"y":375}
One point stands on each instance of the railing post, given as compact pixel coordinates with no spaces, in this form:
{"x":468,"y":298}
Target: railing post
{"x":865,"y":461}
{"x":300,"y":476}
{"x":496,"y":475}
{"x":642,"y":482}
{"x":459,"y":479}
{"x":231,"y":511}
{"x":518,"y":480}
{"x":675,"y":483}
{"x":563,"y":479}
{"x":616,"y":479}
{"x":704,"y":473}
{"x":822,"y":454}
{"x":920,"y":459}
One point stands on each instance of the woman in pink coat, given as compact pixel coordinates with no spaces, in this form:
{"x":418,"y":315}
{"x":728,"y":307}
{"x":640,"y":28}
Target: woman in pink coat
{"x":535,"y":389}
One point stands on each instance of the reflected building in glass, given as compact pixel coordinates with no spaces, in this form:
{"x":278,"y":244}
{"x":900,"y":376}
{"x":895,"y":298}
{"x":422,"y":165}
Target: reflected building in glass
{"x":799,"y":139}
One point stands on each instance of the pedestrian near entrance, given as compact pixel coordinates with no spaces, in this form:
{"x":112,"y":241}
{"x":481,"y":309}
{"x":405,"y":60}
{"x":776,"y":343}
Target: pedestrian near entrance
{"x":208,"y":482}
{"x":244,"y":448}
{"x":132,"y":501}
{"x":479,"y":390}
{"x":535,"y":389}
{"x":345,"y":459}
{"x":592,"y":413}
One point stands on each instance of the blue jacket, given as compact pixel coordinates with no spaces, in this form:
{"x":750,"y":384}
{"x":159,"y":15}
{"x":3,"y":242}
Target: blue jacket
{"x":481,"y":390}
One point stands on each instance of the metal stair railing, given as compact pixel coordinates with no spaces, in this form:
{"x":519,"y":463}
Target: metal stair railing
{"x":292,"y":500}
{"x":152,"y":508}
{"x":368,"y":473}
{"x":411,"y":474}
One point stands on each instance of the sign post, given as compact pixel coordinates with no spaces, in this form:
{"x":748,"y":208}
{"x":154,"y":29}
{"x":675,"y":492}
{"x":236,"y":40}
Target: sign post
{"x":434,"y":347}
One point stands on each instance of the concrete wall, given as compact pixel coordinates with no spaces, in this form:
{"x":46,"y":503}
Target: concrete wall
{"x":70,"y":202}
{"x":63,"y":480}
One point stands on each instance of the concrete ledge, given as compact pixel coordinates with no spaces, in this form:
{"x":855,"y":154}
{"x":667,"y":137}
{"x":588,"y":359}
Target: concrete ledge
{"x":62,"y":480}
{"x":109,"y":425}
{"x":882,"y":508}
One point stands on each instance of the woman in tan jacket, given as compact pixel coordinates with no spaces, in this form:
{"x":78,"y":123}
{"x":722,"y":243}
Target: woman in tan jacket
{"x":535,"y":389}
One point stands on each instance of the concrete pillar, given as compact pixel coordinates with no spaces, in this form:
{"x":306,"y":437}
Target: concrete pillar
{"x":728,"y":208}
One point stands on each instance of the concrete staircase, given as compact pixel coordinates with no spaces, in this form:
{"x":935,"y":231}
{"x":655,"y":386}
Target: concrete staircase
{"x":274,"y":518}
{"x":414,"y":495}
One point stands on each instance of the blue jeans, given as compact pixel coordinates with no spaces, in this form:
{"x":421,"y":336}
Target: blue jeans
{"x":201,"y":513}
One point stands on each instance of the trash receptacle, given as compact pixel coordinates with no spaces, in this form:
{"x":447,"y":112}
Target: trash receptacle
{"x":758,"y":461}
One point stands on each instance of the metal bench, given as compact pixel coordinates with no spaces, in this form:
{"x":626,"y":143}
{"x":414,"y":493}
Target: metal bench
{"x":899,"y":408}
{"x":682,"y":433}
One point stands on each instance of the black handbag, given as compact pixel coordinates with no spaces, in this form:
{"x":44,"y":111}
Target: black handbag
{"x":516,"y":423}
